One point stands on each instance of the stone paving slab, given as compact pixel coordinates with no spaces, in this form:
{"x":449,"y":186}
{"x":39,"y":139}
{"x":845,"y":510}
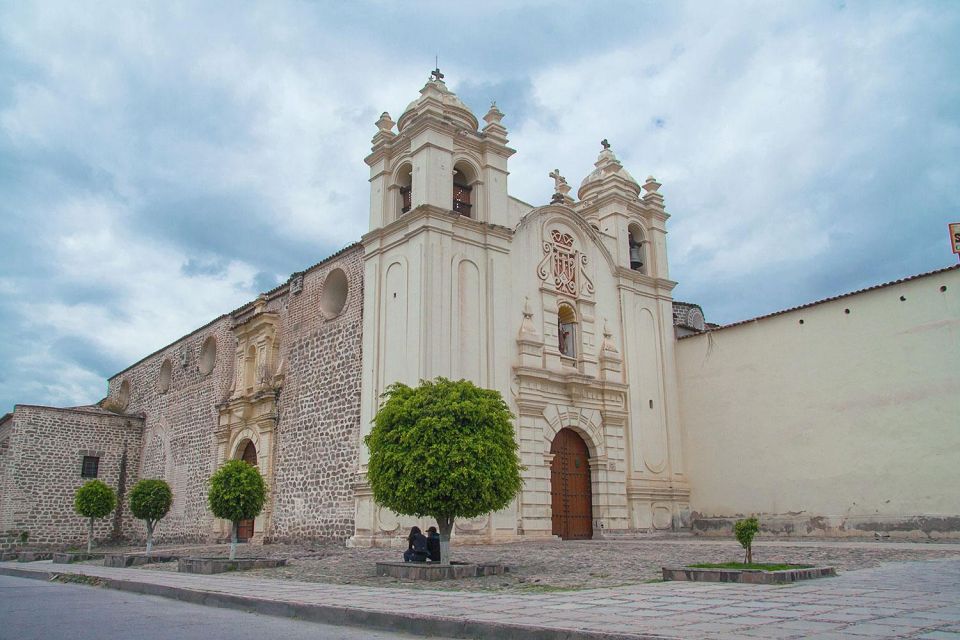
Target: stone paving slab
{"x":537,"y":567}
{"x":927,"y":595}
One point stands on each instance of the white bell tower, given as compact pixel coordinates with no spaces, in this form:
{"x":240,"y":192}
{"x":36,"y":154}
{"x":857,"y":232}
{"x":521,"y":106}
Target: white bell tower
{"x":438,"y":241}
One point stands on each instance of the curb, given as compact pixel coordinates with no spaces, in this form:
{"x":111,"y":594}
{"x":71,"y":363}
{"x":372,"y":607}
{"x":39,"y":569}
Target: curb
{"x":343,"y":616}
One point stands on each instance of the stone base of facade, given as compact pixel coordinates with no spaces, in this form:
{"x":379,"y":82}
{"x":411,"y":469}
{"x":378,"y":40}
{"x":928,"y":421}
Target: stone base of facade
{"x":918,"y":527}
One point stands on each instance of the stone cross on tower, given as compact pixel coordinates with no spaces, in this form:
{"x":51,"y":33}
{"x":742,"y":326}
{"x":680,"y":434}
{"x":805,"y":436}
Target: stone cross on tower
{"x":557,"y":179}
{"x":605,"y":144}
{"x":435,"y":75}
{"x":561,"y":188}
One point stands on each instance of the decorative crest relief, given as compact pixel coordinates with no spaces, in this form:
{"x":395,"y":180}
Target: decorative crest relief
{"x":564,"y":265}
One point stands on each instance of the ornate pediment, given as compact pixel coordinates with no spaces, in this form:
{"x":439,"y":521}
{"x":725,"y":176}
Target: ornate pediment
{"x":563,"y":265}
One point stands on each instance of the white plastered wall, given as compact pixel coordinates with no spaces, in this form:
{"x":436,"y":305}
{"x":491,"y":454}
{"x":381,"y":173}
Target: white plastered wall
{"x":830,"y":422}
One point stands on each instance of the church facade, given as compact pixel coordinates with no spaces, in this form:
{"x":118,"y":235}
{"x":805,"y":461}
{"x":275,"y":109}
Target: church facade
{"x":632,"y":415}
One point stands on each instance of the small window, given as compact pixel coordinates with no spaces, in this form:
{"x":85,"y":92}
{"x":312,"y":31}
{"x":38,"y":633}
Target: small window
{"x":567,"y":331}
{"x":90,"y":468}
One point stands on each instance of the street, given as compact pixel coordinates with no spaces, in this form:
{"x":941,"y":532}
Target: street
{"x":38,"y":610}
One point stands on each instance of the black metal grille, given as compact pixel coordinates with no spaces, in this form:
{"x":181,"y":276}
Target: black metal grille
{"x":90,"y":468}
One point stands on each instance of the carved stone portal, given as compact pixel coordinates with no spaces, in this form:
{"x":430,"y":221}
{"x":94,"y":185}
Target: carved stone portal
{"x":249,"y":415}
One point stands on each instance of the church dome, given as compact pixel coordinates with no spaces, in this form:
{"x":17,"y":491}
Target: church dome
{"x":607,"y":168}
{"x":437,"y":98}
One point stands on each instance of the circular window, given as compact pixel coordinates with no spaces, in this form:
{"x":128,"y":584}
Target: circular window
{"x":163,"y":382}
{"x":123,"y":395}
{"x":334,"y":294}
{"x":208,"y":355}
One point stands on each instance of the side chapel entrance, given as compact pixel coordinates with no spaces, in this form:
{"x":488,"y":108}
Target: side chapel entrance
{"x":570,"y":490}
{"x":245,"y":527}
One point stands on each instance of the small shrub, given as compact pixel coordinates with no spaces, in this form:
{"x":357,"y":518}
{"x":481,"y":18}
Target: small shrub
{"x":744,"y":530}
{"x":237,"y":492}
{"x":150,"y":500}
{"x":94,"y":500}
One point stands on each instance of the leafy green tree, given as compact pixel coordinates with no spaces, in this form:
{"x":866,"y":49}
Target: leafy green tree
{"x":237,"y":492}
{"x":444,"y":449}
{"x":94,"y":500}
{"x":150,"y":500}
{"x":744,"y":530}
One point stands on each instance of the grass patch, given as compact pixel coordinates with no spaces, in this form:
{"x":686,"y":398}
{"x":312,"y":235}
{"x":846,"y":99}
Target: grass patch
{"x":754,"y":566}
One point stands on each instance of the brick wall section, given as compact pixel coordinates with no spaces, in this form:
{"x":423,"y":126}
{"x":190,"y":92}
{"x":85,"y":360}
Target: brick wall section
{"x":42,"y":470}
{"x":319,"y":426}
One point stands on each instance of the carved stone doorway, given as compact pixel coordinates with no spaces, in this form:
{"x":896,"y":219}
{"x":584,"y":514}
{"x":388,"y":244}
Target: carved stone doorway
{"x":570,"y":490}
{"x":245,"y":527}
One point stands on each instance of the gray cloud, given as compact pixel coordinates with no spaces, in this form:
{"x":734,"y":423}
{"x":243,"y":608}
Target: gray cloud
{"x":162,"y":164}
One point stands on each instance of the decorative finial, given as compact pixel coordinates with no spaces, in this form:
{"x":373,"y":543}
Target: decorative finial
{"x":435,"y":75}
{"x":605,"y":144}
{"x":651,"y":185}
{"x":385,"y":123}
{"x":526,"y":327}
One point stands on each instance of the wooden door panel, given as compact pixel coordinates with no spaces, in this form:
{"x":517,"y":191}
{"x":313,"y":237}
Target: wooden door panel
{"x":571,"y":495}
{"x":245,"y":527}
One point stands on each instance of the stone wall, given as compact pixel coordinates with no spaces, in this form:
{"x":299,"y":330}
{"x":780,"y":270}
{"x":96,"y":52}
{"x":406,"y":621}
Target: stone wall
{"x":311,"y":495}
{"x":178,"y":424}
{"x":41,"y":466}
{"x":319,"y":425}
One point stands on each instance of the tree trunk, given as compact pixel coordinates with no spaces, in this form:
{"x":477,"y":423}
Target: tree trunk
{"x":445,"y":525}
{"x":233,"y":540}
{"x":749,"y":554}
{"x":149,"y":536}
{"x":90,"y":536}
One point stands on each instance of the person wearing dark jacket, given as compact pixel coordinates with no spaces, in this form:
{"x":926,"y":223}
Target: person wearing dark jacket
{"x":416,"y":546}
{"x":433,"y":544}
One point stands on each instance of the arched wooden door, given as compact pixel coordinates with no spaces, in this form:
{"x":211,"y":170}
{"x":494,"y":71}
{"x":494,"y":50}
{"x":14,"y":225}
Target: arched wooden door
{"x":570,"y":490}
{"x":245,"y":527}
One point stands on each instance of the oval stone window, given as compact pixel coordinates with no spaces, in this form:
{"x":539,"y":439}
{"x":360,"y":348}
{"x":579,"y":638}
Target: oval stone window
{"x":163,"y":382}
{"x":208,"y":355}
{"x":334,"y":294}
{"x":123,"y":395}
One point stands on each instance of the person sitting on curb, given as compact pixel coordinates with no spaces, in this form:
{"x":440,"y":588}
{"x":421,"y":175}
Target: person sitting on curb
{"x":416,"y":546}
{"x":433,"y":544}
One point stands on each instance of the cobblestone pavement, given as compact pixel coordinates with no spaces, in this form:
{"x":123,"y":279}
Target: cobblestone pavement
{"x":552,"y":566}
{"x":918,"y":600}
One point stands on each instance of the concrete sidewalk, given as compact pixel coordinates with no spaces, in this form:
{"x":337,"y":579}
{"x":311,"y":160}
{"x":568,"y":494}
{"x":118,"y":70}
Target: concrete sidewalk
{"x":901,"y":600}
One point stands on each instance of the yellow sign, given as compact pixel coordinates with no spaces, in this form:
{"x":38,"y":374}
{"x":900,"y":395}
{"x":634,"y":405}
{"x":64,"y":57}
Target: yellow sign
{"x":955,"y":236}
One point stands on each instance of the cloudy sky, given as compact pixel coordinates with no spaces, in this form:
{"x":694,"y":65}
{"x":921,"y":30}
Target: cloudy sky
{"x":163,"y":162}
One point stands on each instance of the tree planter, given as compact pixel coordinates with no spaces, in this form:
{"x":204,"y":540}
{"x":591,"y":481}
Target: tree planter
{"x":6,"y":556}
{"x":121,"y":560}
{"x":33,"y":556}
{"x":747,"y":576}
{"x":437,"y":570}
{"x":209,"y":566}
{"x":69,"y":557}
